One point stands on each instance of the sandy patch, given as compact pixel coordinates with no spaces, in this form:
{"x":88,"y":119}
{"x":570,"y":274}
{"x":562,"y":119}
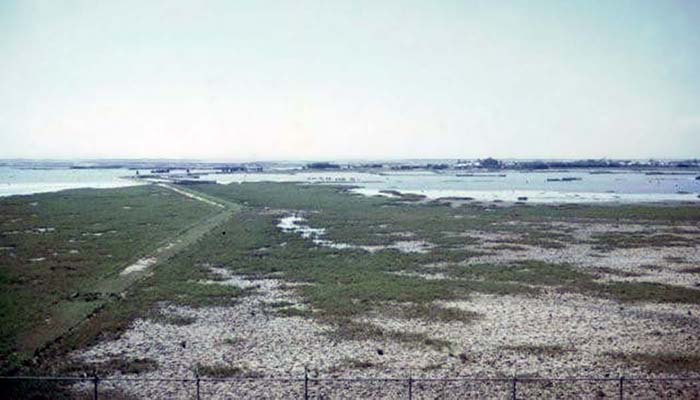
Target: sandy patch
{"x":429,"y":277}
{"x":139,"y":265}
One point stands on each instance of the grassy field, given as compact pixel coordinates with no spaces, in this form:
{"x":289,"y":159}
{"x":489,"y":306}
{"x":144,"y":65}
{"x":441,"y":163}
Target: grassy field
{"x":339,"y":275}
{"x":63,"y":253}
{"x":338,"y":286}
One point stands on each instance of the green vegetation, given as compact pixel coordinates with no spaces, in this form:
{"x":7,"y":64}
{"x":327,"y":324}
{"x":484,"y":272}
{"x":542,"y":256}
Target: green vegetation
{"x":353,"y":218}
{"x":648,"y":291}
{"x":98,"y":233}
{"x":530,"y":272}
{"x":174,"y":283}
{"x":124,"y":366}
{"x":609,"y":241}
{"x":541,"y":350}
{"x":572,"y":279}
{"x":354,"y":363}
{"x":232,"y":341}
{"x":432,"y":312}
{"x":293,"y":312}
{"x":347,"y":329}
{"x":169,"y":319}
{"x":64,"y":253}
{"x":224,"y":371}
{"x":661,"y":362}
{"x":615,"y":272}
{"x":353,"y":282}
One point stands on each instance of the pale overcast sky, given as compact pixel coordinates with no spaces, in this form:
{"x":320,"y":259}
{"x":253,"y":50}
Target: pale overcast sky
{"x":349,"y":79}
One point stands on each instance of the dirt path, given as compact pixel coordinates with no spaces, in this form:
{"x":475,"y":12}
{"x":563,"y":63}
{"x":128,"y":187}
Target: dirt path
{"x":176,"y":244}
{"x":193,"y":195}
{"x":116,"y":286}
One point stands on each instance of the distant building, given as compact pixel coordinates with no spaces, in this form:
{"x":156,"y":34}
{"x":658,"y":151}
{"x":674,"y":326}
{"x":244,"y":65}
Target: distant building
{"x":322,"y":165}
{"x":230,"y":168}
{"x":490,"y":163}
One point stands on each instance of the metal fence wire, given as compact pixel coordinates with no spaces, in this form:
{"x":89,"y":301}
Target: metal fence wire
{"x":307,"y":387}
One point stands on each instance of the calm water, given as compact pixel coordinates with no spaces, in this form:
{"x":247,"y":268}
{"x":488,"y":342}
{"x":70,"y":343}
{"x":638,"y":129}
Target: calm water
{"x":629,"y":186}
{"x":27,"y":181}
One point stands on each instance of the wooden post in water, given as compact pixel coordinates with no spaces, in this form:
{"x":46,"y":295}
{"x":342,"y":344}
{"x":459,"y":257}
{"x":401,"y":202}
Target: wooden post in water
{"x":514,"y":394}
{"x":410,"y":387}
{"x":306,"y":383}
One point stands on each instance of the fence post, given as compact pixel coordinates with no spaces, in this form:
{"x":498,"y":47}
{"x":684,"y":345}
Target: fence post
{"x":410,"y":387}
{"x":306,"y":383}
{"x":196,"y":375}
{"x":622,"y":382}
{"x":95,"y":381}
{"x":514,"y":390}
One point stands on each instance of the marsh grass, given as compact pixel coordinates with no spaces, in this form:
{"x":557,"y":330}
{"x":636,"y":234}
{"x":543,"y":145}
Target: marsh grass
{"x":432,"y":312}
{"x":670,"y":363}
{"x":646,"y":292}
{"x":346,"y":329}
{"x":541,"y":350}
{"x":353,"y":363}
{"x":232,"y":341}
{"x":171,"y":319}
{"x":610,"y":241}
{"x":509,"y":247}
{"x":340,"y":286}
{"x":527,"y":272}
{"x":109,"y":367}
{"x":79,"y":271}
{"x":615,"y":272}
{"x":572,"y":279}
{"x":346,"y":283}
{"x":225,"y":371}
{"x":279,"y":304}
{"x":293,"y":312}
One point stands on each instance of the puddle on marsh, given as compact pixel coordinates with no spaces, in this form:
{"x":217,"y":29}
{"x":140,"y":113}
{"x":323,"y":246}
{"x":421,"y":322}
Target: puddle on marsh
{"x":295,"y":224}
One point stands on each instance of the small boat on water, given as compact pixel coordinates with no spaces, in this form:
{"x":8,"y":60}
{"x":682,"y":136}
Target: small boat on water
{"x":564,"y":179}
{"x":483,"y":175}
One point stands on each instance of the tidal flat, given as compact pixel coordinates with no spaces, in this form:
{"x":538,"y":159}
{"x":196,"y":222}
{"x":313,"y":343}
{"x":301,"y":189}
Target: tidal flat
{"x":385,"y":286}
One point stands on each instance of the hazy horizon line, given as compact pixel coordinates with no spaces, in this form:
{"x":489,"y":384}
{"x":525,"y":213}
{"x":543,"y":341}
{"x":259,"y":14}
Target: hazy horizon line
{"x":328,"y":159}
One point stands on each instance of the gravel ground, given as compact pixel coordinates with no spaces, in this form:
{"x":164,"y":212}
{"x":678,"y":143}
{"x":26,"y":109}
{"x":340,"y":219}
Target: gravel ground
{"x":552,"y":334}
{"x":647,"y":264}
{"x":250,"y":338}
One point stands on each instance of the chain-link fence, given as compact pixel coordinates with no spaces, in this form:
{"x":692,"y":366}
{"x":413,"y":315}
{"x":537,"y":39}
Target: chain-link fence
{"x":307,"y":387}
